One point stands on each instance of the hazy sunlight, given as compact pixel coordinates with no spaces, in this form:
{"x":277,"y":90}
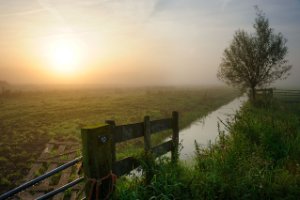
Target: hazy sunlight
{"x":63,"y":55}
{"x":143,"y":67}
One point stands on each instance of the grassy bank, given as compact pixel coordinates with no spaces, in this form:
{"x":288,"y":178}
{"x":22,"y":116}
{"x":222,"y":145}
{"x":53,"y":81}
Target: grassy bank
{"x":28,"y":120}
{"x":259,"y":159}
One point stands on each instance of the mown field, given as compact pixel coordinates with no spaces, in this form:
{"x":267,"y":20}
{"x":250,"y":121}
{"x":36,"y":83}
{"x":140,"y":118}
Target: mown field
{"x":258,"y":159}
{"x":28,"y":120}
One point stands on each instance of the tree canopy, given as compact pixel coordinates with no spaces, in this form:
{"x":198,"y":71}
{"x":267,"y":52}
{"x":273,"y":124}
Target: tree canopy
{"x":255,"y":59}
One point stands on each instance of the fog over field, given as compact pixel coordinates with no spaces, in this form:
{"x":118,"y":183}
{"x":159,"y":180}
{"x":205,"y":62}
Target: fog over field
{"x":131,"y":42}
{"x":97,"y":79}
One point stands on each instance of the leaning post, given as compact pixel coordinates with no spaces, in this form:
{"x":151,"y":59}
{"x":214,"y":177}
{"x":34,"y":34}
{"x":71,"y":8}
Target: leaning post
{"x":175,"y":136}
{"x":97,"y":161}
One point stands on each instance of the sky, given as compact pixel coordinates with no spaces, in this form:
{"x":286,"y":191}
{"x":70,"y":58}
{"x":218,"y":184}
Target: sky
{"x":132,"y":42}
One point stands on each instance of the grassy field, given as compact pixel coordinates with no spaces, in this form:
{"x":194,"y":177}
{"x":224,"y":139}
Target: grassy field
{"x":258,"y":159}
{"x":28,"y":120}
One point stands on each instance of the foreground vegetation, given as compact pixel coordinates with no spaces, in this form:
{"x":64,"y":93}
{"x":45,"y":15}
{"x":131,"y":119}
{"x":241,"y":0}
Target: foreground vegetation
{"x":28,"y":120}
{"x":258,"y":159}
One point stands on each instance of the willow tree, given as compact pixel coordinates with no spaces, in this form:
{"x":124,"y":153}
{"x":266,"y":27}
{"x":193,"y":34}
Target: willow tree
{"x":255,"y":59}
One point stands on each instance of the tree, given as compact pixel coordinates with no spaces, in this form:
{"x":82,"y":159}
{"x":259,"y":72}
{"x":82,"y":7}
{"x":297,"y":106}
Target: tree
{"x":255,"y":60}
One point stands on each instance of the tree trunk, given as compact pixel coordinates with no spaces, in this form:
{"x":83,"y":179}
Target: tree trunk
{"x":253,"y":94}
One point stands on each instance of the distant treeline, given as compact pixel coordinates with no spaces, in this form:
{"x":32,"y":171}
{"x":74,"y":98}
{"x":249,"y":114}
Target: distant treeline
{"x":7,"y":90}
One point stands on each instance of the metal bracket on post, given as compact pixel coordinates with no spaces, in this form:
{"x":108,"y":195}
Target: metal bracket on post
{"x":103,"y":139}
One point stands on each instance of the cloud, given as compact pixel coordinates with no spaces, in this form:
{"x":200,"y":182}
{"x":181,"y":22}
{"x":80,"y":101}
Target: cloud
{"x":161,"y":5}
{"x":46,"y":5}
{"x":21,"y":13}
{"x":225,"y":3}
{"x":91,"y":2}
{"x":51,"y":9}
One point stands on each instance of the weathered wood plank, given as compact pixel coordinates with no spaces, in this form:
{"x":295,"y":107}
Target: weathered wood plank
{"x":28,"y":196}
{"x":128,"y":164}
{"x":162,"y":149}
{"x":125,"y":165}
{"x":64,"y":179}
{"x":175,"y":136}
{"x":52,"y":166}
{"x":97,"y":161}
{"x":128,"y":132}
{"x":132,"y":131}
{"x":73,"y":196}
{"x":286,"y":94}
{"x":36,"y":166}
{"x":286,"y":90}
{"x":42,"y":189}
{"x":47,"y":150}
{"x":147,"y":134}
{"x":45,"y":157}
{"x":112,"y":125}
{"x":160,"y":125}
{"x":72,"y":151}
{"x":46,"y":182}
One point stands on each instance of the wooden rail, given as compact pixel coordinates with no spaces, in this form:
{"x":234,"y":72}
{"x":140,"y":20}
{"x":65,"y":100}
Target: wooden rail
{"x":282,"y":94}
{"x":99,"y":151}
{"x":99,"y":161}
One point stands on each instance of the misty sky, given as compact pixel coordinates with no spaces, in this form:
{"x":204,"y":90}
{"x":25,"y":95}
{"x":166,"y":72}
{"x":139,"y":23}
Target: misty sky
{"x":160,"y":42}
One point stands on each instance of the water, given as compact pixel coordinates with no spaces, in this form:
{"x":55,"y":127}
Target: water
{"x":205,"y":130}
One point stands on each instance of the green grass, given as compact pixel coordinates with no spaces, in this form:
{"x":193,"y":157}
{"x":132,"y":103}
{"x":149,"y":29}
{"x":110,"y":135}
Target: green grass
{"x":258,"y":159}
{"x":169,"y":182}
{"x":28,"y":120}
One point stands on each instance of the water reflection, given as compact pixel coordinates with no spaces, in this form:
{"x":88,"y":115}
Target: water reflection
{"x":205,"y":130}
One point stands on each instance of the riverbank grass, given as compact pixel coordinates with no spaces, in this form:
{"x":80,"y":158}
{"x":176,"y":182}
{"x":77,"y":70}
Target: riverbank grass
{"x":258,"y":159}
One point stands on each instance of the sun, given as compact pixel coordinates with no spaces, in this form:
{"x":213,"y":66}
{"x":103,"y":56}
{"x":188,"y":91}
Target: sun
{"x":64,"y":56}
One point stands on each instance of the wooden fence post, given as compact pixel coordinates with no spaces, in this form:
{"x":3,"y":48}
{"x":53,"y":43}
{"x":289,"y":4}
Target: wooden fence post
{"x":113,"y":143}
{"x":147,"y":148}
{"x":97,"y":161}
{"x":147,"y":134}
{"x":175,"y":136}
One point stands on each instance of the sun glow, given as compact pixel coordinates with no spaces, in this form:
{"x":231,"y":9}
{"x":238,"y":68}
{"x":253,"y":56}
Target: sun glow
{"x":64,"y":56}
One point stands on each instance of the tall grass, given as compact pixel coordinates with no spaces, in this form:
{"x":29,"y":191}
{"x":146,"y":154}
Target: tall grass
{"x":258,"y":159}
{"x":168,"y":182}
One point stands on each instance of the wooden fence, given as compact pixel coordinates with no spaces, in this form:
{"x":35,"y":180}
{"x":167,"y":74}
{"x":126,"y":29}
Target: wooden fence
{"x":98,"y":158}
{"x":99,"y":151}
{"x":265,"y":92}
{"x":282,"y":94}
